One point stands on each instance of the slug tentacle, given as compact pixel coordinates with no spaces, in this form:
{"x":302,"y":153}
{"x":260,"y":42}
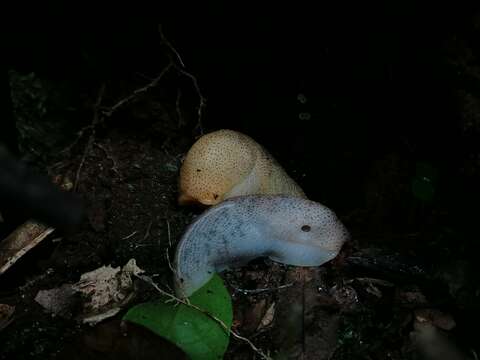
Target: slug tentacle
{"x":287,"y":229}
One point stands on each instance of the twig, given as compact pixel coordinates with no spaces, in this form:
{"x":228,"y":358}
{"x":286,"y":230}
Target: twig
{"x":170,"y":46}
{"x":109,"y":112}
{"x":202,"y":100}
{"x":169,"y":247}
{"x":260,"y":291}
{"x":169,"y":234}
{"x":110,"y":157}
{"x":147,"y":232}
{"x":82,"y":162}
{"x":180,"y":67}
{"x":177,"y":108}
{"x":80,"y":134}
{"x":213,"y":317}
{"x":474,"y":354}
{"x":95,"y":121}
{"x":169,"y":262}
{"x":129,"y":236}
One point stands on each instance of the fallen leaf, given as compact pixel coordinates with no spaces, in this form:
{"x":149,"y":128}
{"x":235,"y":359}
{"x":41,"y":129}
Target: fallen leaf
{"x":268,"y":317}
{"x":252,"y":315}
{"x":101,"y":293}
{"x":59,"y":301}
{"x":107,"y":286}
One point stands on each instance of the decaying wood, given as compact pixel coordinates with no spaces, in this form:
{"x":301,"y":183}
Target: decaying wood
{"x":20,"y":241}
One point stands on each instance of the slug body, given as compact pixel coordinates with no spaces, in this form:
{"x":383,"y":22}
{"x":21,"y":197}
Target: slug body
{"x":227,"y":163}
{"x":287,"y":229}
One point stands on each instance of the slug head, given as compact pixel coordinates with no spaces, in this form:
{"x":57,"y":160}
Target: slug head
{"x":214,"y":165}
{"x":305,"y":232}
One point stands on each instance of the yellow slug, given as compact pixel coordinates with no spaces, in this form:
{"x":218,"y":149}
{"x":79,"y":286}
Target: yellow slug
{"x":226,"y":163}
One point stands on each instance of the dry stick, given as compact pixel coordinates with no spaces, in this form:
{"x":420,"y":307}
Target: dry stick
{"x":164,"y":40}
{"x":180,"y":67}
{"x":168,"y":261}
{"x":95,"y":121}
{"x":110,"y":157}
{"x":203,"y":100}
{"x":80,"y":134}
{"x":168,"y":248}
{"x":169,"y":234}
{"x":263,"y":290}
{"x":474,"y":354}
{"x":129,"y":236}
{"x":138,"y":91}
{"x":147,"y":232}
{"x":107,"y":113}
{"x":177,"y":108}
{"x":213,"y":317}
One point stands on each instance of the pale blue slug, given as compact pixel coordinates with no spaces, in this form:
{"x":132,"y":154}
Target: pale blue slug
{"x":287,"y":229}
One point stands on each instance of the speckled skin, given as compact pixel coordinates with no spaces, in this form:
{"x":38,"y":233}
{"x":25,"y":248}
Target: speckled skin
{"x":227,"y":163}
{"x":243,"y":228}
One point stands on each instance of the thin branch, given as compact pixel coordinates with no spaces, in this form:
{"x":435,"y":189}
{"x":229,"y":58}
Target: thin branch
{"x":111,"y":158}
{"x":109,"y":112}
{"x":80,"y":134}
{"x":202,"y":100}
{"x":177,"y":108}
{"x":172,"y":297}
{"x":147,"y":232}
{"x":96,"y":119}
{"x":169,"y":262}
{"x":169,"y":247}
{"x":165,"y":41}
{"x":180,"y":67}
{"x":260,"y":291}
{"x":169,"y":234}
{"x":129,"y":236}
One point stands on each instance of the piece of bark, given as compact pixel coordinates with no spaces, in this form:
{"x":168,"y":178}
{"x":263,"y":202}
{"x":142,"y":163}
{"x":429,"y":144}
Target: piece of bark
{"x":20,"y":241}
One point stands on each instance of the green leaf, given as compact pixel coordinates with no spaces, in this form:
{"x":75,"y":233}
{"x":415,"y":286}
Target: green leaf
{"x":197,"y":334}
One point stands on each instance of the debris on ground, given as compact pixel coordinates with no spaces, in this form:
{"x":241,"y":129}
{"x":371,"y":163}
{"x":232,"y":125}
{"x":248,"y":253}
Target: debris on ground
{"x":100,"y":294}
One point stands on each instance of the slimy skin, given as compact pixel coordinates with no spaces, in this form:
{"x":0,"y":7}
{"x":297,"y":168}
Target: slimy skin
{"x":287,"y":229}
{"x":227,"y":163}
